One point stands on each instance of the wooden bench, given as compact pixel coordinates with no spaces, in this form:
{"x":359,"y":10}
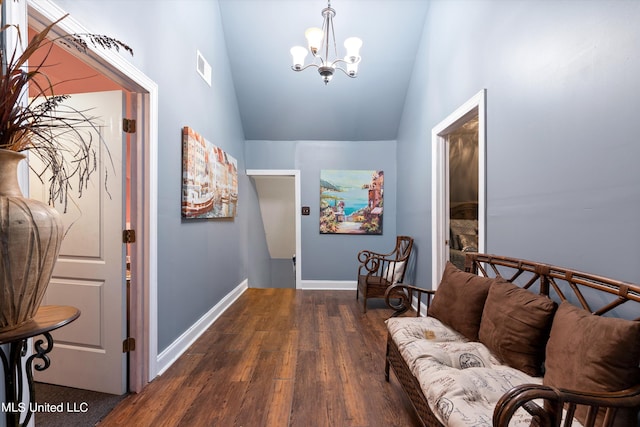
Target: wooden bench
{"x":607,"y":300}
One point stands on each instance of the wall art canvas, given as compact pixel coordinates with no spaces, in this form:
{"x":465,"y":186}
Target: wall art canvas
{"x":209,"y":178}
{"x":351,"y":201}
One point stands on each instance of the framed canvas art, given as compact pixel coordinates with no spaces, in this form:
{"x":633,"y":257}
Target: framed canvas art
{"x":209,"y":178}
{"x":351,"y":201}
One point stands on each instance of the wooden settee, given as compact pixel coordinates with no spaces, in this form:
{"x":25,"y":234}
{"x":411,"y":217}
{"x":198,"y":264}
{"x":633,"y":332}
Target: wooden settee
{"x":585,"y":354}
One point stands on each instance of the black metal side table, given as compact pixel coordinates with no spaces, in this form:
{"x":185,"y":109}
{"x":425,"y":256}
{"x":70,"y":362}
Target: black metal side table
{"x":48,"y":318}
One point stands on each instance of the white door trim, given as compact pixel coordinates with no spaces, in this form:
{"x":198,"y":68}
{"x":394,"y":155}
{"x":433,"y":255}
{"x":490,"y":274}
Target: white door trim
{"x":439,"y":190}
{"x":296,"y":174}
{"x":114,"y":66}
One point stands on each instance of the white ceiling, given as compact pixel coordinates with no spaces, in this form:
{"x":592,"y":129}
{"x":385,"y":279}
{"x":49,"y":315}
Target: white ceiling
{"x":277,"y":103}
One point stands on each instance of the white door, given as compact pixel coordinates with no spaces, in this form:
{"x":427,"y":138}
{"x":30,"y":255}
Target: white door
{"x":90,"y":272}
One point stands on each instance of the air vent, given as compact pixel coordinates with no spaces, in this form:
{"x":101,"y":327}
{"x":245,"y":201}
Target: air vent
{"x":204,"y":69}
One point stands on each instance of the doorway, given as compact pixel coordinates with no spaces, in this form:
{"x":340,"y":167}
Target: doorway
{"x":280,"y":191}
{"x":143,"y":101}
{"x":458,"y":185}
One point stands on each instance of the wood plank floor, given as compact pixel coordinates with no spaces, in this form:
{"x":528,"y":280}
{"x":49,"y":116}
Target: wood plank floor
{"x":278,"y":357}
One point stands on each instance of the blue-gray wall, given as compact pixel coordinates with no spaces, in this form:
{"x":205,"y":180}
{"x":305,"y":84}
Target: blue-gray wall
{"x":562,"y":183}
{"x":330,"y":257}
{"x":562,"y":142}
{"x":259,"y":265}
{"x":199,"y":262}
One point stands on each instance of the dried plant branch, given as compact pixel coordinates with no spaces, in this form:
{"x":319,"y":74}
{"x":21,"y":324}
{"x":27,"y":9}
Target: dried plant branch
{"x":58,"y":134}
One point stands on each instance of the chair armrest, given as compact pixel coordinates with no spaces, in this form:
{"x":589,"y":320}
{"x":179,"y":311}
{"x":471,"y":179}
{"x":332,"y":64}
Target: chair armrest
{"x":551,"y":415}
{"x":376,"y":264}
{"x":371,"y":263}
{"x":365,"y":255}
{"x":404,"y":293}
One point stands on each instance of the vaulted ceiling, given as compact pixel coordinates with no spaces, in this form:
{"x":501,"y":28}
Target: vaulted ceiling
{"x":277,"y":103}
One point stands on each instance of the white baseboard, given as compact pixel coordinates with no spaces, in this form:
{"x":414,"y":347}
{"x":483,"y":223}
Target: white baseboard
{"x":328,"y":285}
{"x":180,"y":345}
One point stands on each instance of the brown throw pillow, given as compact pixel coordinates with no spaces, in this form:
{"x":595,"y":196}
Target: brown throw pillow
{"x":592,"y":353}
{"x":515,"y":326}
{"x":459,"y":300}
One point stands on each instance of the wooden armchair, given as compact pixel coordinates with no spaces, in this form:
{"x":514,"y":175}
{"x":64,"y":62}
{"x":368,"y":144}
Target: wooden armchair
{"x":379,"y":271}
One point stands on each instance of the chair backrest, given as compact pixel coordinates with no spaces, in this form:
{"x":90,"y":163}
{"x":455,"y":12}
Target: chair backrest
{"x":398,"y":266}
{"x":404,"y":244}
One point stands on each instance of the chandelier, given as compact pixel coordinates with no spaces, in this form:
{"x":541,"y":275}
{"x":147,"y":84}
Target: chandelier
{"x":322,"y":42}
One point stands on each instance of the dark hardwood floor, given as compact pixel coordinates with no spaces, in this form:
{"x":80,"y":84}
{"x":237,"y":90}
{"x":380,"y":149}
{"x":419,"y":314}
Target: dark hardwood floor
{"x":278,"y":357}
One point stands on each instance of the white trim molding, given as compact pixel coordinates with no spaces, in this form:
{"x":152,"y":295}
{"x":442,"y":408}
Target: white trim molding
{"x":440,"y":181}
{"x":298,"y":206}
{"x":184,"y":341}
{"x":120,"y":70}
{"x":329,"y":285}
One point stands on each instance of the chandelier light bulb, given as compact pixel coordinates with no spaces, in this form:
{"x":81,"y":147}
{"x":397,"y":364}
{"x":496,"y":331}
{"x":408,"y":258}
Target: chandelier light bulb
{"x":314,"y":36}
{"x":298,"y":53}
{"x":353,"y":45}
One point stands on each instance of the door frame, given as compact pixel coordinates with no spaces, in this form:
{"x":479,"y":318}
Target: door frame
{"x":440,"y":180}
{"x":298,"y":206}
{"x":144,"y":174}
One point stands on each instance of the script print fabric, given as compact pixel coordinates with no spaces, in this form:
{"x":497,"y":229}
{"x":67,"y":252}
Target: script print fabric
{"x":461,"y":380}
{"x":464,"y":390}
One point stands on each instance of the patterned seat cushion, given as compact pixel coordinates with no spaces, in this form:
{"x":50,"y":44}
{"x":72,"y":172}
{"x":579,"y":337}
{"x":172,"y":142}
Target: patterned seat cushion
{"x":461,"y":379}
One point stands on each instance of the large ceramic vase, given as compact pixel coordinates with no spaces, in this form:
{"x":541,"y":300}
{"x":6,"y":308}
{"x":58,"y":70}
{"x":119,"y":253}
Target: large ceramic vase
{"x":30,"y":237}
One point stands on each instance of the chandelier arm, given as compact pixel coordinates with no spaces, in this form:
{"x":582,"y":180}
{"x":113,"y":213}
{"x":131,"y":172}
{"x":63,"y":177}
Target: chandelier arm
{"x":337,"y":61}
{"x":305,"y":67}
{"x":316,"y":56}
{"x":353,"y":76}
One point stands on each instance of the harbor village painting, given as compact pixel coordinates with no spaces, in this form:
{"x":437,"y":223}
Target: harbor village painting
{"x":209,"y":179}
{"x":351,"y":201}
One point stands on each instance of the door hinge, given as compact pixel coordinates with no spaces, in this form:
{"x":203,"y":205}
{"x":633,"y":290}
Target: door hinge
{"x":129,"y":344}
{"x":129,"y":125}
{"x":128,"y":236}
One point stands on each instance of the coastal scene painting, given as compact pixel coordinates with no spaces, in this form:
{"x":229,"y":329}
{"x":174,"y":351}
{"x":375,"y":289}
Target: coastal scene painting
{"x":351,"y":201}
{"x":209,"y":178}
